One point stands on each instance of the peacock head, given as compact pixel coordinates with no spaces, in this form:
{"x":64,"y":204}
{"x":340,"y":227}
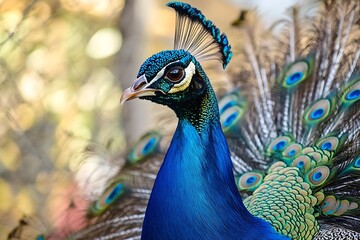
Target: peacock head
{"x":169,"y":77}
{"x":175,"y":76}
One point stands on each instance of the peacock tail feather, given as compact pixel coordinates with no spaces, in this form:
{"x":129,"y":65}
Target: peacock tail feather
{"x":291,"y":122}
{"x":303,"y":123}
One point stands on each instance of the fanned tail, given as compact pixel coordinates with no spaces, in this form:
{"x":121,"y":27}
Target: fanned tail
{"x":117,"y":202}
{"x":130,"y":190}
{"x":304,"y":110}
{"x":300,"y":108}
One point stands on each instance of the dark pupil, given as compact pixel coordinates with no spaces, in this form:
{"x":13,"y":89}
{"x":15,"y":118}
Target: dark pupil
{"x":175,"y":74}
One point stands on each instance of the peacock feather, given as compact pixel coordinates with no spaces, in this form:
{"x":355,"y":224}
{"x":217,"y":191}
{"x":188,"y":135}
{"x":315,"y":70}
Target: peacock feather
{"x":277,"y":157}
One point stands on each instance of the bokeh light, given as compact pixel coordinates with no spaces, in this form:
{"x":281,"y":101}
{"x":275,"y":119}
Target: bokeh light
{"x":104,"y":43}
{"x":57,"y":89}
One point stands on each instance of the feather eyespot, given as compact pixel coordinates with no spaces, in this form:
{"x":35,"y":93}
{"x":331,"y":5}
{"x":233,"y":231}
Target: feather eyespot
{"x":231,"y":108}
{"x":333,"y":206}
{"x":329,"y":143}
{"x":175,"y":74}
{"x":351,"y":94}
{"x":292,"y":150}
{"x":302,"y":162}
{"x":318,"y":111}
{"x":146,"y":146}
{"x":227,"y":106}
{"x":231,"y":116}
{"x":294,"y":78}
{"x":116,"y":191}
{"x":230,"y":119}
{"x":328,"y":205}
{"x":319,"y":175}
{"x":279,"y":144}
{"x":353,"y":167}
{"x":326,"y":146}
{"x":109,"y":196}
{"x":357,"y":163}
{"x":295,"y":73}
{"x":291,"y":153}
{"x":250,"y":181}
{"x":227,"y":102}
{"x":230,"y":100}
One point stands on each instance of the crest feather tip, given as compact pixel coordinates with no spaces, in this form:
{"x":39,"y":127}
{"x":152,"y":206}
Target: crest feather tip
{"x":199,"y":36}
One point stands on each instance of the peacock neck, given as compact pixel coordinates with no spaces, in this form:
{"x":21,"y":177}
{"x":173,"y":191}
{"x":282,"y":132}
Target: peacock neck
{"x":194,"y":195}
{"x":201,"y":111}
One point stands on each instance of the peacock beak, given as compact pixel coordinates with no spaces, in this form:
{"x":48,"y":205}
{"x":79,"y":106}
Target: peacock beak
{"x":139,"y":88}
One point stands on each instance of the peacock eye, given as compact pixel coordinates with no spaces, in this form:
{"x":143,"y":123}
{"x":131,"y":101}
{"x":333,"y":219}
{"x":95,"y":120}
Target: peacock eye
{"x":175,"y":74}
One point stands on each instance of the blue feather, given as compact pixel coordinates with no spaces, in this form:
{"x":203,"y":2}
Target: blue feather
{"x":195,"y":196}
{"x":294,"y":138}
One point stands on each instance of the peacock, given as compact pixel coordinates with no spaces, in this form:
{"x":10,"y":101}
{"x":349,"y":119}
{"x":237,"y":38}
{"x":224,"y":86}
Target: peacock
{"x":277,"y":156}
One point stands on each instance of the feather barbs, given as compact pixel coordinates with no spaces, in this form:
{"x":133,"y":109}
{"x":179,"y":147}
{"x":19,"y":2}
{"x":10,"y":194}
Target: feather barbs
{"x":199,"y":36}
{"x":354,"y":166}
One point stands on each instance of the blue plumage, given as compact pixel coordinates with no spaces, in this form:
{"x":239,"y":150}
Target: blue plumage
{"x":195,"y":196}
{"x":156,"y":62}
{"x":293,"y":139}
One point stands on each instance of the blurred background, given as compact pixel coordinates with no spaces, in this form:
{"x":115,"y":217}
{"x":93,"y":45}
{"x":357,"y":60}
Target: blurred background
{"x":63,"y":65}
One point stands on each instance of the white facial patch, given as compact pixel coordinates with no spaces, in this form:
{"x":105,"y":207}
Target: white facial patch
{"x":189,"y":73}
{"x":184,"y":84}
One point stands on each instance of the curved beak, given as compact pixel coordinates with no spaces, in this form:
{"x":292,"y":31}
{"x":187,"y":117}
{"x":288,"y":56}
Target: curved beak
{"x":139,"y":88}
